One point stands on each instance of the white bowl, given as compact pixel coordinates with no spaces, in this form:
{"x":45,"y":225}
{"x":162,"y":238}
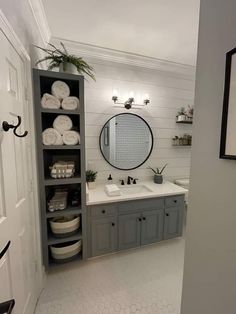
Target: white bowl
{"x":60,"y":226}
{"x":65,"y":250}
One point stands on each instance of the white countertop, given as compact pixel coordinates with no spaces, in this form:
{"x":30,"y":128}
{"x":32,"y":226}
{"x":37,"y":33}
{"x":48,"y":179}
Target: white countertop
{"x":99,"y":196}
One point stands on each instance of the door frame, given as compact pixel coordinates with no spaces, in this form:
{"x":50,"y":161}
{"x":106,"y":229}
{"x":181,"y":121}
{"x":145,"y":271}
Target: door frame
{"x":10,"y":34}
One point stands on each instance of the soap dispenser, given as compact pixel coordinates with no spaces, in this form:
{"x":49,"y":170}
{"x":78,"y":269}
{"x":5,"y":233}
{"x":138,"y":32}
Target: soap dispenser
{"x":110,"y":180}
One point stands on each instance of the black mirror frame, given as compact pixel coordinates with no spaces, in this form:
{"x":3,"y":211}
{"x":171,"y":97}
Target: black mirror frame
{"x":100,"y":139}
{"x":223,"y":155}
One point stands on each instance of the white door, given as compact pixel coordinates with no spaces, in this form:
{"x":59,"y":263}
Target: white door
{"x":17,"y":269}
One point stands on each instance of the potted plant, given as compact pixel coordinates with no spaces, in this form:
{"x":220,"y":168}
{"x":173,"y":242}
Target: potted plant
{"x":158,"y":177}
{"x":181,"y":116}
{"x":90,"y":178}
{"x":60,"y":58}
{"x":189,"y":112}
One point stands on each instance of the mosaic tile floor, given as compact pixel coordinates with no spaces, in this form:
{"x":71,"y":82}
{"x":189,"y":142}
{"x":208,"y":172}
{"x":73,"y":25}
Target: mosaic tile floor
{"x":145,"y":280}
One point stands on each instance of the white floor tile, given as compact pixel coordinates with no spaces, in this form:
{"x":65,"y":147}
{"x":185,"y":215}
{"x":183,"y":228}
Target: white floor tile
{"x":144,"y":280}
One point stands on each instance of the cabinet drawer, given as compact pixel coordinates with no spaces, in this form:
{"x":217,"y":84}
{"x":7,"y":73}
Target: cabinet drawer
{"x":102,"y":210}
{"x":147,"y":204}
{"x":174,"y":201}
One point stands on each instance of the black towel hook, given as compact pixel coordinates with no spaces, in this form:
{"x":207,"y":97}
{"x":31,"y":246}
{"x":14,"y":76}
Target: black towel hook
{"x":6,"y":127}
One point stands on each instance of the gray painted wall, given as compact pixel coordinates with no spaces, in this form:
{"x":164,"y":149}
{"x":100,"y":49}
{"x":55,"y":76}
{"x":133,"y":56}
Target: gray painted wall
{"x":209,"y":285}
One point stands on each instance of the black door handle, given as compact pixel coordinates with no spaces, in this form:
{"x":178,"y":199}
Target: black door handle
{"x":103,"y":211}
{"x":5,"y":249}
{"x":140,"y":219}
{"x":144,"y":218}
{"x":167,"y":214}
{"x":113,"y":224}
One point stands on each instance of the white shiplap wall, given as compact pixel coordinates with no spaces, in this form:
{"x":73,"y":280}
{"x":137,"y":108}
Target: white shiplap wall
{"x":167,"y":91}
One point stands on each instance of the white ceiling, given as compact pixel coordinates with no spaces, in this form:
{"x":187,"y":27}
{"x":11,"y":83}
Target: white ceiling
{"x":164,"y":29}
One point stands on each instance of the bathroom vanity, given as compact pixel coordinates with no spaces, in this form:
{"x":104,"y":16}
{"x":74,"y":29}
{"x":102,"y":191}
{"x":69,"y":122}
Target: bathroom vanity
{"x":132,"y":220}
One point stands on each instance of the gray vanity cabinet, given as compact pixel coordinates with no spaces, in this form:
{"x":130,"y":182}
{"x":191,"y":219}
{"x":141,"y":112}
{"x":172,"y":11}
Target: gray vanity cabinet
{"x":174,"y":216}
{"x":103,"y":236}
{"x":125,"y":225}
{"x":129,"y":230}
{"x":152,"y":226}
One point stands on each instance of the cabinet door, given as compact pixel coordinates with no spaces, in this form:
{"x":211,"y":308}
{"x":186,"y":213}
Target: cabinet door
{"x":173,"y":224}
{"x":152,"y":226}
{"x":103,"y":235}
{"x":129,"y":230}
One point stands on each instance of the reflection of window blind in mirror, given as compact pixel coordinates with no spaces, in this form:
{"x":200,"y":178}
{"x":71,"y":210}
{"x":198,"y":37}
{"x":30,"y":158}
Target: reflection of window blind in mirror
{"x":133,"y":141}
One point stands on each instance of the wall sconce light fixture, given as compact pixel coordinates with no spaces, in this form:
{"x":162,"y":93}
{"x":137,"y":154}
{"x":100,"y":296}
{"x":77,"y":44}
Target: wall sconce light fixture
{"x":130,"y":102}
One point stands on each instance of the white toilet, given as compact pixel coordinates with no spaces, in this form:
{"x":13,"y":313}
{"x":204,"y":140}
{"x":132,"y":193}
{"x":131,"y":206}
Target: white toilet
{"x":184,"y":183}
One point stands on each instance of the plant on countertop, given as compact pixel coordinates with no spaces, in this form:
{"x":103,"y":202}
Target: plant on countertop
{"x":91,"y":176}
{"x":57,"y":57}
{"x":158,"y":171}
{"x":158,"y":178}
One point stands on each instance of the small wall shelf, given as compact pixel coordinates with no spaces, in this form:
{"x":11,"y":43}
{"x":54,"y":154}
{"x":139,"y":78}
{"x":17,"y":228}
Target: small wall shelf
{"x":181,"y":145}
{"x":61,"y":147}
{"x":60,"y":111}
{"x":48,"y":155}
{"x":184,"y":122}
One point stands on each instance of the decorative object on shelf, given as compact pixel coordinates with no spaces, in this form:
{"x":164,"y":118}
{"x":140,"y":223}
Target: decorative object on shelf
{"x":49,"y":101}
{"x":228,"y":125}
{"x":62,"y":169}
{"x":58,"y":201}
{"x":70,"y":103}
{"x":185,"y":115}
{"x":181,"y":116}
{"x":64,"y":226}
{"x":67,"y":63}
{"x":189,"y":112}
{"x":74,"y":198}
{"x":185,"y":140}
{"x":130,"y":102}
{"x":158,"y":177}
{"x":65,"y":251}
{"x":90,"y":178}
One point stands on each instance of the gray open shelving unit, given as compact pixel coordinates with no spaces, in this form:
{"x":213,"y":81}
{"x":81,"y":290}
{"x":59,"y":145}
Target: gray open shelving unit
{"x":46,"y":154}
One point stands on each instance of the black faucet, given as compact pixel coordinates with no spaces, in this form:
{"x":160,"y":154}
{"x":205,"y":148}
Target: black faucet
{"x":129,"y":180}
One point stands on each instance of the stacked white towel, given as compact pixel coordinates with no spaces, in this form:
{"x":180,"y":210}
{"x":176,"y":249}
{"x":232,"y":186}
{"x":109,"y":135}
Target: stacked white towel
{"x":50,"y":102}
{"x":60,"y":90}
{"x":70,"y":137}
{"x":112,"y":190}
{"x":62,"y":123}
{"x":70,"y":103}
{"x":52,"y":137}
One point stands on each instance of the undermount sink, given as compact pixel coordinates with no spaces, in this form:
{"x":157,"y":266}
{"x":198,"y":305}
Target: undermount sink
{"x":134,"y":189}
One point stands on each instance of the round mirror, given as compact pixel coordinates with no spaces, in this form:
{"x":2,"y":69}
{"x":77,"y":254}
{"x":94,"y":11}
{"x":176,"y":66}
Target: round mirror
{"x":126,"y":141}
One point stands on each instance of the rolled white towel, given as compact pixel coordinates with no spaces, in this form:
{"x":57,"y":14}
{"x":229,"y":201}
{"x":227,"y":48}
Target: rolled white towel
{"x":62,"y":123}
{"x":60,"y":89}
{"x":70,"y":103}
{"x":71,"y":137}
{"x":52,"y":137}
{"x":50,"y":102}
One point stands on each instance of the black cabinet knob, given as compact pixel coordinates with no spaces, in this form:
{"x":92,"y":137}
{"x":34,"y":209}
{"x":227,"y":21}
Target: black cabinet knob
{"x":140,"y":219}
{"x":103,"y":211}
{"x":144,"y":218}
{"x":175,"y":201}
{"x":113,"y":224}
{"x":167,"y":214}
